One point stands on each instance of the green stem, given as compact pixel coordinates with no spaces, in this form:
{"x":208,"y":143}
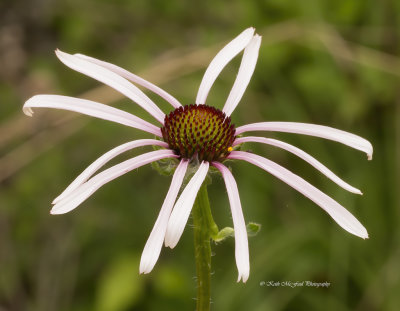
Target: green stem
{"x":204,"y":229}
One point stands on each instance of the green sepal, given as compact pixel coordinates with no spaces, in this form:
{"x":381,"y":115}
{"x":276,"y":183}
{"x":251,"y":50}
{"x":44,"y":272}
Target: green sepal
{"x":165,"y":167}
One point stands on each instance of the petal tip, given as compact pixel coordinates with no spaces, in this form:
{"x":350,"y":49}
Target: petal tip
{"x":27,"y":111}
{"x":370,"y":151}
{"x":54,"y":212}
{"x":362,"y":233}
{"x":143,"y":270}
{"x":170,"y":244}
{"x":170,"y":239}
{"x":250,"y":30}
{"x":61,"y":55}
{"x":243,"y":278}
{"x":59,"y":210}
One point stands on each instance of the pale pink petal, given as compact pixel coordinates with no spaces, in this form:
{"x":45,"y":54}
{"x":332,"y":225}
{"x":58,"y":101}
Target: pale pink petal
{"x":220,"y":61}
{"x":183,"y":206}
{"x":322,"y":131}
{"x":241,"y":243}
{"x":113,"y":80}
{"x":246,"y":70}
{"x":153,"y":245}
{"x":342,"y":216}
{"x":88,"y":188}
{"x":90,"y":108}
{"x":134,"y":78}
{"x":96,"y":165}
{"x":301,"y":154}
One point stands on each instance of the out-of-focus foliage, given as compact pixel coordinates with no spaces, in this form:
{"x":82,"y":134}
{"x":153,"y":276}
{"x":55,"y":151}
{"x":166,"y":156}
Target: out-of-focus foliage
{"x":329,"y":62}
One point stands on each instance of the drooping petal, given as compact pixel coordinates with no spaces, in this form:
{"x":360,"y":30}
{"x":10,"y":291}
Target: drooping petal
{"x":342,"y":216}
{"x":113,"y":80}
{"x":134,"y":78}
{"x":153,"y":245}
{"x":220,"y":61}
{"x":241,"y":243}
{"x":90,"y":108}
{"x":322,"y":131}
{"x":183,"y":206}
{"x":71,"y":201}
{"x":96,"y":165}
{"x":246,"y":70}
{"x":301,"y":154}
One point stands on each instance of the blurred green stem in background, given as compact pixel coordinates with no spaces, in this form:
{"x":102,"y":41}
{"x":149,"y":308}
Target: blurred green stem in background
{"x":204,"y":229}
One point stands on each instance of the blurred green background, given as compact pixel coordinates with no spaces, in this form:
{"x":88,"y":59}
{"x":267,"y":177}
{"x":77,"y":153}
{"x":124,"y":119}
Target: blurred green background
{"x":328,"y":62}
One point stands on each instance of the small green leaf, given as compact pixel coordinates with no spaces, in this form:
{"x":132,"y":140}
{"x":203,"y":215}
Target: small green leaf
{"x":253,"y":228}
{"x":223,"y":234}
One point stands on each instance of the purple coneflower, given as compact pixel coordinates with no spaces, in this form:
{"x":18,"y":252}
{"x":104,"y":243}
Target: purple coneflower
{"x":196,"y":135}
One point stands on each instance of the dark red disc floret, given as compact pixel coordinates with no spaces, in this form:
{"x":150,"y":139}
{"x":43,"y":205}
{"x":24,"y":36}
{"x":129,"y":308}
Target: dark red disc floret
{"x":199,"y":131}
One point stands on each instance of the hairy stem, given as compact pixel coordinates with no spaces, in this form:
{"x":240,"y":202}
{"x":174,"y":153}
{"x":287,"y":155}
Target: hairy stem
{"x":204,"y":229}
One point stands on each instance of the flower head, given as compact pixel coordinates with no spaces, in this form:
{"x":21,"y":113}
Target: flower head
{"x":199,"y":131}
{"x":197,"y":134}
